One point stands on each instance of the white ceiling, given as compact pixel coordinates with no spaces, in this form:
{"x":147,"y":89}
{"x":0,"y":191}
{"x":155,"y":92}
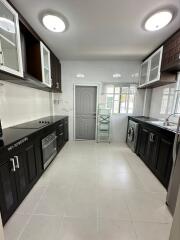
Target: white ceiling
{"x":100,"y":29}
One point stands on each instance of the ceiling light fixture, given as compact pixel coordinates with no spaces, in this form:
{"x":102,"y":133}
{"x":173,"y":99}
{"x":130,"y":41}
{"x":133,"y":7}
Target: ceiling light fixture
{"x":80,"y":75}
{"x":158,"y":20}
{"x":54,"y":22}
{"x":7,"y":25}
{"x":116,"y":75}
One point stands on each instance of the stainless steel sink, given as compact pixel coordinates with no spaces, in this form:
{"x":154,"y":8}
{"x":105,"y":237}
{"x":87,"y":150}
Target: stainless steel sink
{"x":171,"y":126}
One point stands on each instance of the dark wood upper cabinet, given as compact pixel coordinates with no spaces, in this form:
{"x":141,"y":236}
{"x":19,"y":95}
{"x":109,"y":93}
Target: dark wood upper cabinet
{"x":55,"y":73}
{"x":171,"y":54}
{"x":35,"y":68}
{"x":31,"y":54}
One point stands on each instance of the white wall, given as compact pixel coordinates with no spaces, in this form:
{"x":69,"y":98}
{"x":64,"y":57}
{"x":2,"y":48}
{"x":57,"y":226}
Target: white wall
{"x":19,"y":104}
{"x":97,"y":72}
{"x":156,"y":101}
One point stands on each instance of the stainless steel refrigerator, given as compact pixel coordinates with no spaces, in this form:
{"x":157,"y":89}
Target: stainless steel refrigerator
{"x":175,"y":174}
{"x":175,"y":230}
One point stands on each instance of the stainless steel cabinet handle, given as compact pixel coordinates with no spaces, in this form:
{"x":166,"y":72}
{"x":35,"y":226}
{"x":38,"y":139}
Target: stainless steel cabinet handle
{"x":1,"y":58}
{"x":151,"y":137}
{"x":17,"y":161}
{"x":13,"y":169}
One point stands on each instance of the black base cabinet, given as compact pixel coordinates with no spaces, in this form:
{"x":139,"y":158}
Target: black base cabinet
{"x":155,"y":147}
{"x":21,"y":166}
{"x":17,"y":176}
{"x":164,"y":160}
{"x":62,"y":133}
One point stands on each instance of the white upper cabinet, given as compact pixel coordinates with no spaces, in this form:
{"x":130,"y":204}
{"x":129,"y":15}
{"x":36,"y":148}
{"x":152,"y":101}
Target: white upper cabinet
{"x":144,"y":72}
{"x":10,"y":47}
{"x":151,"y":69}
{"x":46,"y":65}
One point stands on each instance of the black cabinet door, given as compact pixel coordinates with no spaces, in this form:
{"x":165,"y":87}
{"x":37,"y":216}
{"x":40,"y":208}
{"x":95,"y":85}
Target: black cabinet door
{"x":21,"y":175}
{"x":164,"y":160}
{"x":60,"y":141}
{"x":26,"y":172}
{"x":8,"y":193}
{"x":66,"y":130}
{"x":151,"y":158}
{"x":55,"y":73}
{"x":143,"y":143}
{"x":32,"y":171}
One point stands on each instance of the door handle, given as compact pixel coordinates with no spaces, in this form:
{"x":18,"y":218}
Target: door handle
{"x":17,"y":161}
{"x":13,"y":169}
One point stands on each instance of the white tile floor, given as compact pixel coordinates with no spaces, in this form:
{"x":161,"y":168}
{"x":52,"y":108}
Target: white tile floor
{"x":93,"y":192}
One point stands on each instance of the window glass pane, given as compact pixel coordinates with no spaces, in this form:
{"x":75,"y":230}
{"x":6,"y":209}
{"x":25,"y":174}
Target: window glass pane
{"x":177,"y":110}
{"x":131,"y":103}
{"x":109,"y":101}
{"x":117,"y":89}
{"x":116,"y":107}
{"x":120,"y":99}
{"x":124,"y":102}
{"x":110,"y":89}
{"x":167,"y":101}
{"x":125,"y":89}
{"x":132,"y":89}
{"x":116,"y":97}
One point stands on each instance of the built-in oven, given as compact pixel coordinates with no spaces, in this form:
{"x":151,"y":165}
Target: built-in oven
{"x":49,"y":148}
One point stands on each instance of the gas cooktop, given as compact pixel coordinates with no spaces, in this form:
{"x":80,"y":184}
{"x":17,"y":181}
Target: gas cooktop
{"x":32,"y":125}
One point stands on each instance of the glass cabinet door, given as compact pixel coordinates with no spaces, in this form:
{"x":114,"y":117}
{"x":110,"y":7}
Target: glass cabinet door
{"x":144,"y":73}
{"x":46,"y":65}
{"x":155,"y":65}
{"x":10,"y":48}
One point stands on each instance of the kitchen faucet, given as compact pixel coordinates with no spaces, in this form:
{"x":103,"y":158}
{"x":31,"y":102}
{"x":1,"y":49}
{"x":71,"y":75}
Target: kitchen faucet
{"x":166,"y":122}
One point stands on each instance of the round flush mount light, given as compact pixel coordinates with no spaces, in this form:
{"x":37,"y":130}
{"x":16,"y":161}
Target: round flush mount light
{"x":54,"y":22}
{"x":158,"y":20}
{"x":7,"y":25}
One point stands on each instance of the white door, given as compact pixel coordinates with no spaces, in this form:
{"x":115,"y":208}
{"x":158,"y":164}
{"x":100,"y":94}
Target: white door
{"x":85,"y":112}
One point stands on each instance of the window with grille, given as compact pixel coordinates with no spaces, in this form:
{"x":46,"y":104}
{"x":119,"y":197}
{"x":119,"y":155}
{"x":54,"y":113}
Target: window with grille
{"x":120,"y":98}
{"x":177,"y":97}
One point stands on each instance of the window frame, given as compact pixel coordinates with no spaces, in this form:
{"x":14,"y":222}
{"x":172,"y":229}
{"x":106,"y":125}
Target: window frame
{"x":128,"y":94}
{"x":177,"y":93}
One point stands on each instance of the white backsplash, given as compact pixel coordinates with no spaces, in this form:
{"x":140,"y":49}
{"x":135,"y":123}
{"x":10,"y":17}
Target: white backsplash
{"x":19,"y":104}
{"x":160,"y":107}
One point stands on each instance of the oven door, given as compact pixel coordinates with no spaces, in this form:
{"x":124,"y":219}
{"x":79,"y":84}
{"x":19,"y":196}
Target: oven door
{"x":49,"y":148}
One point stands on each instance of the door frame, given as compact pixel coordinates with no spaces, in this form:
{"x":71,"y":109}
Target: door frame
{"x":74,"y":106}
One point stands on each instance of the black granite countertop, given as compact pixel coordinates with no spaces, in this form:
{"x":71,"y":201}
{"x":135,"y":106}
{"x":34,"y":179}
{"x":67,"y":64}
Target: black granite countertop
{"x":16,"y":133}
{"x":154,"y":122}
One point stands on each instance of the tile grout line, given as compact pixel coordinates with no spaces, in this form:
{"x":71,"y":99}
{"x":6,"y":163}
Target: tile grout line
{"x":30,"y":217}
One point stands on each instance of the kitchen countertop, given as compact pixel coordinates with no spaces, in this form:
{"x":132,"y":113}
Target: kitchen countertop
{"x":148,"y":120}
{"x":13,"y":134}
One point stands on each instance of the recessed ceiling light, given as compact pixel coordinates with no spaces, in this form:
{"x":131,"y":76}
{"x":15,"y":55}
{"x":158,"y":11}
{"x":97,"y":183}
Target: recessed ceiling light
{"x":54,"y":23}
{"x":80,"y":75}
{"x":116,"y":75}
{"x":7,"y":25}
{"x":158,"y":20}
